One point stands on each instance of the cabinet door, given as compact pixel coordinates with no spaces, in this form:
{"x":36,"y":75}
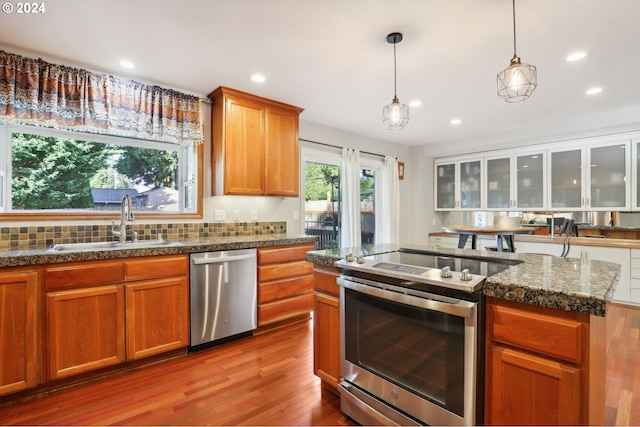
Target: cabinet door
{"x":527,"y":389}
{"x":445,"y":182}
{"x":566,"y":178}
{"x":281,"y":153}
{"x":85,"y":329}
{"x":157,"y":316}
{"x":244,"y":147}
{"x":470,"y":185}
{"x":18,"y":335}
{"x":530,"y":182}
{"x":498,"y":172}
{"x":326,"y":338}
{"x":608,"y":176}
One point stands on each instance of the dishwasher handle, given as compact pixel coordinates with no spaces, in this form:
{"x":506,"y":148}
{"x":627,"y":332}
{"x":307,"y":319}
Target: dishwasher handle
{"x":199,"y":261}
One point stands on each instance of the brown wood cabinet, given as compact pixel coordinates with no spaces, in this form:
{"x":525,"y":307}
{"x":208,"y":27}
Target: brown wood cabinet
{"x":85,"y":329}
{"x":255,"y":145}
{"x":285,"y":283}
{"x":326,"y":328}
{"x":102,"y":313}
{"x":18,"y":330}
{"x":543,"y":366}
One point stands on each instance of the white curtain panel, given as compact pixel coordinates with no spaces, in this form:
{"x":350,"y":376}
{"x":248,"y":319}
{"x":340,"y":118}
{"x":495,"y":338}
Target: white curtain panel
{"x":388,"y":204}
{"x":350,"y":217}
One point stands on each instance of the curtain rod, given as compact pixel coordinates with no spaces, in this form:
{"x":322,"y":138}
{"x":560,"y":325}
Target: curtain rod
{"x":336,"y":146}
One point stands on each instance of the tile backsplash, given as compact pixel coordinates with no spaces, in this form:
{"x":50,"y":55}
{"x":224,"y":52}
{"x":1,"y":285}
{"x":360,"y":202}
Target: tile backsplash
{"x":33,"y":237}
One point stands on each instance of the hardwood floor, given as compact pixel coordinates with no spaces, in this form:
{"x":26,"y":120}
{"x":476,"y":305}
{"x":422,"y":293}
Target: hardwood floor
{"x":268,"y":380}
{"x":623,"y":365}
{"x":263,"y":380}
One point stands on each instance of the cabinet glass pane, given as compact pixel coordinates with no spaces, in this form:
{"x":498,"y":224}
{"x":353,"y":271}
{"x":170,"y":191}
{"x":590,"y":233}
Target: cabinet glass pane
{"x":637,"y":161}
{"x":470,"y":185}
{"x":566,"y":179}
{"x":446,"y":186}
{"x":499,"y":183}
{"x":608,"y":180}
{"x":530,"y":181}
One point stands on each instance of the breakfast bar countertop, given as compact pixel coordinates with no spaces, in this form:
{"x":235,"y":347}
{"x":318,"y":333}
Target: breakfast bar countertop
{"x":568,"y":284}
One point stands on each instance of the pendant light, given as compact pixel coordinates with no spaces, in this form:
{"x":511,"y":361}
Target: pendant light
{"x":518,"y":81}
{"x":395,"y":115}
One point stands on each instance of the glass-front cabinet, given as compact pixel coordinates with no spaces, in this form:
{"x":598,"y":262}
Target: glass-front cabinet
{"x":635,"y":146}
{"x":590,"y":177}
{"x":516,"y":182}
{"x":458,"y":185}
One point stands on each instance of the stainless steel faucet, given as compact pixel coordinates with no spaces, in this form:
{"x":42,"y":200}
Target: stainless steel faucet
{"x":126,"y":215}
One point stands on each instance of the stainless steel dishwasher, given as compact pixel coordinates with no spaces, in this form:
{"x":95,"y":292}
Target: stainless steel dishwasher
{"x":223,"y":295}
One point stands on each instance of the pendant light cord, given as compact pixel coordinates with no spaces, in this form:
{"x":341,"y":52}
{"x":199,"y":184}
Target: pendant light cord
{"x":514,"y":29}
{"x":395,"y":90}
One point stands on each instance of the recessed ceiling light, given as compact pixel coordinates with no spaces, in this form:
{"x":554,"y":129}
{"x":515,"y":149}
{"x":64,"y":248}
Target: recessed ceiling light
{"x":576,"y":56}
{"x":455,"y":121}
{"x":127,"y":64}
{"x":258,"y":78}
{"x":415,"y":103}
{"x":594,"y":91}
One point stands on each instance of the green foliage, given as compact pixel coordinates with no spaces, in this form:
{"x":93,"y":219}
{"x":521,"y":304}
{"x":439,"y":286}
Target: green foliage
{"x":155,"y":168}
{"x":318,"y":180}
{"x":110,"y":178}
{"x":53,"y":173}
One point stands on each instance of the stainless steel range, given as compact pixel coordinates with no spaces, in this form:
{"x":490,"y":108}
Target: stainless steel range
{"x":411,"y":331}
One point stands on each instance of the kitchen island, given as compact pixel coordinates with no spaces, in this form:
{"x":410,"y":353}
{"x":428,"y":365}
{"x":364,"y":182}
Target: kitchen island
{"x":544,"y":335}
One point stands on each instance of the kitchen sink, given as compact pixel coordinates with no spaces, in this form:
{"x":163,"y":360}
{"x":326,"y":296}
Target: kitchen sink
{"x":95,"y":246}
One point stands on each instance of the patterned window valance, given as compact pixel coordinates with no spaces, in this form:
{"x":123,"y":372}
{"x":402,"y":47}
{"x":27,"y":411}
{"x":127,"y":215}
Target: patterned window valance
{"x":36,"y":92}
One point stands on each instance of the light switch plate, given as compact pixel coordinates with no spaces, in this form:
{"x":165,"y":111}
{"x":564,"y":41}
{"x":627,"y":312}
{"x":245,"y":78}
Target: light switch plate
{"x":219,"y":215}
{"x":236,"y":215}
{"x":254,"y":215}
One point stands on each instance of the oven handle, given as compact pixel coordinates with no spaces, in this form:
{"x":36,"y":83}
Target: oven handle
{"x":458,"y":308}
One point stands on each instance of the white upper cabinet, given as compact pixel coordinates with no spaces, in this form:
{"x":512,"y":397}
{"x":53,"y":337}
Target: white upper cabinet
{"x":516,"y":182}
{"x":458,"y":185}
{"x":635,"y":181}
{"x":590,"y":177}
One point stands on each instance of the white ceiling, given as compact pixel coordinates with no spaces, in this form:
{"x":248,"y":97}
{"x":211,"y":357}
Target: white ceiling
{"x":331,"y":57}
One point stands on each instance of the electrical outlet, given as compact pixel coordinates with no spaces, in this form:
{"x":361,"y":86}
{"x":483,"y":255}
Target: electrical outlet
{"x":236,"y":215}
{"x":254,"y":215}
{"x":219,"y":215}
{"x":296,"y":215}
{"x":434,"y":221}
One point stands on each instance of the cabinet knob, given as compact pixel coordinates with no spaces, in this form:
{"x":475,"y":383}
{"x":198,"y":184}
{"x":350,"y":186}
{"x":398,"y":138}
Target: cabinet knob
{"x":464,"y":275}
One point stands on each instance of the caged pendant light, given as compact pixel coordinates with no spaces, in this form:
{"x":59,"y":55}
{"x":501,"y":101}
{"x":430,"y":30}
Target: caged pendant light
{"x":395,"y":116}
{"x":518,"y":81}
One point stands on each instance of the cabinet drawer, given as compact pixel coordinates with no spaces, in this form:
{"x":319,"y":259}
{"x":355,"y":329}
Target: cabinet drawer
{"x":325,"y":281}
{"x":279,"y":289}
{"x":552,"y":336}
{"x":149,"y":268}
{"x":94,"y":273}
{"x":635,"y":263}
{"x":284,"y":309}
{"x":283,"y":254}
{"x":635,"y":253}
{"x":282,"y":271}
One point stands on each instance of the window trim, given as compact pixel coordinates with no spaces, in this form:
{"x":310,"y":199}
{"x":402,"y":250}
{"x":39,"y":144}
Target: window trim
{"x":5,"y":140}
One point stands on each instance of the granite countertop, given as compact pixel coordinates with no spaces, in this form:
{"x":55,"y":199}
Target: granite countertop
{"x":563,"y":283}
{"x":47,"y":256}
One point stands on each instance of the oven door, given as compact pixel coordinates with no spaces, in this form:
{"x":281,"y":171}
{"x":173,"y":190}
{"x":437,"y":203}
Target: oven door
{"x":414,"y":353}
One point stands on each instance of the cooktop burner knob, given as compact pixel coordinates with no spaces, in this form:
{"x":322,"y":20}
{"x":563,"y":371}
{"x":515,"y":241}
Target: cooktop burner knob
{"x":349,"y":257}
{"x":360,"y":259}
{"x":464,"y":274}
{"x":445,"y":272}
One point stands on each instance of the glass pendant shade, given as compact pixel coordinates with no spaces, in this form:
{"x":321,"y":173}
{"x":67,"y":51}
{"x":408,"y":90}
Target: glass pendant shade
{"x":517,"y":82}
{"x":395,"y":115}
